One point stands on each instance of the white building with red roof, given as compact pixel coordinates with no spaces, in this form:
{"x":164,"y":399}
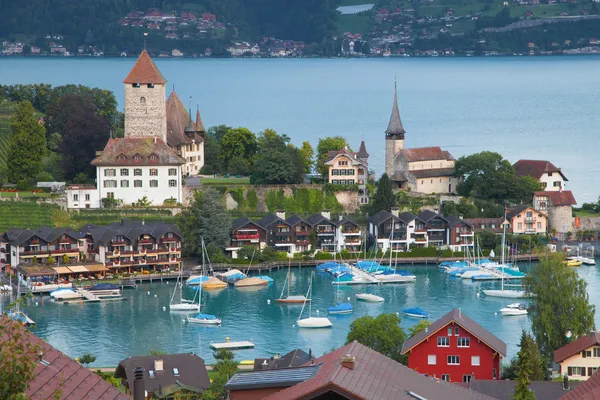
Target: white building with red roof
{"x":423,"y":169}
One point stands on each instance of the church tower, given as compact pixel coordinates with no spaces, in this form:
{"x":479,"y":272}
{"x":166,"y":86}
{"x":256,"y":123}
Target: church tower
{"x":145,"y":100}
{"x":394,"y":137}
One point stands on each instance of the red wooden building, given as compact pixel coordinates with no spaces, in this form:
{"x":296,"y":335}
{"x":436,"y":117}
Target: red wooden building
{"x":455,"y":348}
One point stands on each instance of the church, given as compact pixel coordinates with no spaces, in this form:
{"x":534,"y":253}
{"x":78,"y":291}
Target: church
{"x":161,"y":145}
{"x":422,"y":169}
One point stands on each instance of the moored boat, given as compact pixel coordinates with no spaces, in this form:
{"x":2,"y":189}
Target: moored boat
{"x":252,"y":281}
{"x":340,"y":308}
{"x":204,"y":319}
{"x":213,"y":283}
{"x":416,"y":312}
{"x":290,"y":299}
{"x":196,"y":280}
{"x":514,"y":309}
{"x":369,"y":297}
{"x":312,"y":322}
{"x":507,"y":293}
{"x":573,"y":262}
{"x":66,"y":294}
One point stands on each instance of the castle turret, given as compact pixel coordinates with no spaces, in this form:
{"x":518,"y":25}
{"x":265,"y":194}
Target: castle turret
{"x":145,"y":100}
{"x":394,"y":136}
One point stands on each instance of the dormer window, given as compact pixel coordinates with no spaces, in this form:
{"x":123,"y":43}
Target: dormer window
{"x":121,"y":157}
{"x":151,"y":86}
{"x":153,"y":157}
{"x":137,"y":158}
{"x":135,"y":85}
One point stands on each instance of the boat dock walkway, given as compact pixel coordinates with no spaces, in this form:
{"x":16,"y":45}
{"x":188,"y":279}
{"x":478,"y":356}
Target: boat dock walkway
{"x":363,"y":278}
{"x":244,"y":344}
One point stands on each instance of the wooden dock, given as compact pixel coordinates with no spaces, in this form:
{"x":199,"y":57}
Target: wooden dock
{"x":244,"y":344}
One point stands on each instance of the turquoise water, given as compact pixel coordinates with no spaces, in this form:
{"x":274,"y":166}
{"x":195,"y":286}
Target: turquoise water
{"x":521,"y":107}
{"x":114,"y":331}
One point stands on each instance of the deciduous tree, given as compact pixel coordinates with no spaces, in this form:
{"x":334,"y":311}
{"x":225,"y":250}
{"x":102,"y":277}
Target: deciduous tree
{"x":308,"y":153}
{"x":237,"y":142}
{"x":212,"y":143}
{"x":326,"y":145}
{"x":27,"y":146}
{"x":382,"y":334}
{"x":277,"y":161}
{"x":485,"y":175}
{"x":559,"y":303}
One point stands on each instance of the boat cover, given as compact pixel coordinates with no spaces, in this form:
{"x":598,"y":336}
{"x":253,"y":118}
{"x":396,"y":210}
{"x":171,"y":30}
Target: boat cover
{"x":340,"y":307}
{"x":416,"y":311}
{"x":205,"y":316}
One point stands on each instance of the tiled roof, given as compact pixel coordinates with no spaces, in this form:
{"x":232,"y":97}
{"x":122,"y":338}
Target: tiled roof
{"x":145,"y":71}
{"x":504,"y":389}
{"x":373,"y":377}
{"x":101,"y":235}
{"x":395,"y":125}
{"x":57,"y":371}
{"x":426,"y":154}
{"x":178,"y":120}
{"x":432,"y":173}
{"x":426,"y":215}
{"x":18,"y":236}
{"x":562,"y":198}
{"x":576,"y":346}
{"x":294,"y":358}
{"x":536,"y":168}
{"x":190,"y":369}
{"x":407,"y":217}
{"x":270,"y":219}
{"x":477,"y":222}
{"x":513,"y":212}
{"x":362,"y":151}
{"x":243,"y":221}
{"x":123,"y":152}
{"x":271,"y":378}
{"x":466,"y":323}
{"x":588,"y":390}
{"x":317,"y":219}
{"x":293,"y":220}
{"x":332,"y":154}
{"x":452,"y":220}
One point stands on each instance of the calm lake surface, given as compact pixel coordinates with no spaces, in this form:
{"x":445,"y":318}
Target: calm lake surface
{"x":114,"y":331}
{"x":521,"y":107}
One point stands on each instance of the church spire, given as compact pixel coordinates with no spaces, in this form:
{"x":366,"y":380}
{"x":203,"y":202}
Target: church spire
{"x":395,"y":128}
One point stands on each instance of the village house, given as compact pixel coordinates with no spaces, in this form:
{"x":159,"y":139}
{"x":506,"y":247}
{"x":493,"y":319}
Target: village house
{"x":525,"y":219}
{"x":422,"y":170}
{"x":82,"y":196}
{"x":494,"y":225}
{"x":245,"y":232}
{"x":325,"y":232}
{"x":448,"y":231}
{"x":397,"y":231}
{"x":350,"y":168}
{"x":295,"y":358}
{"x":353,"y":371}
{"x":168,"y":376}
{"x":580,"y":359}
{"x":455,"y":349}
{"x":551,"y":177}
{"x":559,"y":208}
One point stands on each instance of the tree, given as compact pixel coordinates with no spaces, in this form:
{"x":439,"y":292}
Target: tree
{"x":212,"y":143}
{"x":325,"y":146}
{"x":559,"y":303}
{"x":484,"y":175}
{"x":277,"y":161}
{"x":522,"y":391}
{"x":157,"y":352}
{"x":84,"y":131}
{"x":384,"y":198}
{"x":421,"y":325}
{"x":237,"y":142}
{"x":205,"y":218}
{"x":382,"y":334}
{"x":523,"y":189}
{"x":87,"y":359}
{"x":27,"y":145}
{"x":225,"y":368}
{"x":530,"y":358}
{"x":17,"y":360}
{"x":308,"y":153}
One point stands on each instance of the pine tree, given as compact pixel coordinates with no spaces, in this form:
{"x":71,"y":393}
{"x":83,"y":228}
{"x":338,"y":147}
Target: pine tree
{"x":384,"y":198}
{"x":529,"y":366}
{"x":27,"y":146}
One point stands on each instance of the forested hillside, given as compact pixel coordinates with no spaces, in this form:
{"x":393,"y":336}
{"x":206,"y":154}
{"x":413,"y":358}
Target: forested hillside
{"x":94,"y":22}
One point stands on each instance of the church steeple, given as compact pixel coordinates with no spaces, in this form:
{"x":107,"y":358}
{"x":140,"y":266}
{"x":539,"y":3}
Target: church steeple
{"x":395,"y":130}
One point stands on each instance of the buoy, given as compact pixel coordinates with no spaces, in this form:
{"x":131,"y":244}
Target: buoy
{"x":268,"y":301}
{"x":397,"y":313}
{"x":478,"y":294}
{"x":317,"y":311}
{"x":348,"y":298}
{"x":164,"y":308}
{"x":293,"y":326}
{"x":183,"y":321}
{"x":495,"y":313}
{"x":227,"y":339}
{"x":148,"y":293}
{"x":36,"y":303}
{"x":154,"y":295}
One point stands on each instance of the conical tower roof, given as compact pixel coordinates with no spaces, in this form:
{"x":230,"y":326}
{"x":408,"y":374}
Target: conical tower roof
{"x":362,"y":151}
{"x":395,"y":126}
{"x":145,"y":71}
{"x":199,"y":125}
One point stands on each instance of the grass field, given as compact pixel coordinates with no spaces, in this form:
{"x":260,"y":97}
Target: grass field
{"x":225,"y":181}
{"x":6,"y":113}
{"x":24,"y":194}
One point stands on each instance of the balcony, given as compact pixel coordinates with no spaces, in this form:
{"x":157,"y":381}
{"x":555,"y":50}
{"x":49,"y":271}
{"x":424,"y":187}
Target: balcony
{"x":175,"y":250}
{"x":145,"y":241}
{"x":356,"y":232}
{"x":302,"y":233}
{"x":118,"y":242}
{"x":169,"y":240}
{"x":248,"y":236}
{"x":302,"y":242}
{"x":420,"y":240}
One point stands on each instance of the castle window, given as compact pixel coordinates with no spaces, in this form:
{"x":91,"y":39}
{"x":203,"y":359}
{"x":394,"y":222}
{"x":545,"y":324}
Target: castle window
{"x":172,"y":171}
{"x":110,"y":184}
{"x":124,"y":183}
{"x":124,"y":172}
{"x":143,"y":100}
{"x":121,"y":157}
{"x":137,"y":183}
{"x":151,"y":85}
{"x":135,"y":85}
{"x":110,"y":172}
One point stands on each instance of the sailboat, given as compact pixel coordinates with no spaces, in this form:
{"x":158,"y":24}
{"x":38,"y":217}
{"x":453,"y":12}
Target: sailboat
{"x":203,"y":319}
{"x":340,"y":308}
{"x":184,"y":304}
{"x":290,"y":299}
{"x":515,"y":294}
{"x":312,"y":322}
{"x":250,"y":280}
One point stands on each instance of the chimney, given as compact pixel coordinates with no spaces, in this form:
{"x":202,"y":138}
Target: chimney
{"x":139,"y":388}
{"x":566,"y":382}
{"x":280,"y":214}
{"x":348,"y":361}
{"x":326,"y":214}
{"x":310,"y":355}
{"x":340,"y":217}
{"x":426,"y":329}
{"x":158,"y":365}
{"x":395,"y":211}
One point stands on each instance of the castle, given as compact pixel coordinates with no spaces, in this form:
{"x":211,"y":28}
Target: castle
{"x":161,"y":145}
{"x":422,"y":170}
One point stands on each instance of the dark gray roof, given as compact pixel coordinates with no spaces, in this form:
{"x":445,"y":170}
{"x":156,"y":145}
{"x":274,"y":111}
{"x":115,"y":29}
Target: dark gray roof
{"x":452,"y":220}
{"x":294,"y":219}
{"x":132,"y":230}
{"x":271,"y":378}
{"x":17,"y":237}
{"x":345,"y":220}
{"x":426,"y":215}
{"x":294,"y":358}
{"x":270,"y":219}
{"x":466,"y":323}
{"x":381,"y":217}
{"x":395,"y":125}
{"x":316,"y":219}
{"x":191,"y":371}
{"x":362,"y":151}
{"x":516,"y":211}
{"x":243,"y":221}
{"x":407,"y":217}
{"x":504,"y":390}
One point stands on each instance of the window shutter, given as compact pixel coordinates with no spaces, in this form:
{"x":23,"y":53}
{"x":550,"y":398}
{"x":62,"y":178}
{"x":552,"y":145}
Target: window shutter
{"x":583,"y":371}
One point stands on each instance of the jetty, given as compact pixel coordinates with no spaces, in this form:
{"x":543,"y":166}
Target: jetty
{"x":244,"y":344}
{"x":361,"y":278}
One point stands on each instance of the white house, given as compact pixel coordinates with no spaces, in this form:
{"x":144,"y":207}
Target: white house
{"x":82,"y":196}
{"x":550,"y":176}
{"x":398,"y":231}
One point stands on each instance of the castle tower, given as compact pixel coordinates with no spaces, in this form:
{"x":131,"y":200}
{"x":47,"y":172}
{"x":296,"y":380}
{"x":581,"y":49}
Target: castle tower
{"x":145,"y":100}
{"x":394,"y":137}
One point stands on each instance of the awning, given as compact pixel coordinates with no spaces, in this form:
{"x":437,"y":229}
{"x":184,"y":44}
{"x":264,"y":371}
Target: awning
{"x":78,"y":269}
{"x":35,"y":270}
{"x":96,"y":268}
{"x":62,"y":270}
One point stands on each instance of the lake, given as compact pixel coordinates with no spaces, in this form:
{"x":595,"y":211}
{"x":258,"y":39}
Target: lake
{"x":521,"y":107}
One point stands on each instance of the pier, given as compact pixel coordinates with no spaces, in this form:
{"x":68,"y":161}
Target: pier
{"x":244,"y":344}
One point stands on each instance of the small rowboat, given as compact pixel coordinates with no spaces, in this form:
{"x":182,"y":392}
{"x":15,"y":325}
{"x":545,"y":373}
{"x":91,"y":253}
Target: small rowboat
{"x":573,"y":263}
{"x":416,"y":312}
{"x":369,"y":297}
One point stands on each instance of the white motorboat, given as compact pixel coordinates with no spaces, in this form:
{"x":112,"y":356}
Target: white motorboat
{"x":204,"y":319}
{"x":312,"y":322}
{"x":399,"y":278}
{"x":66,"y":294}
{"x":369,"y":297}
{"x":508,"y":293}
{"x":514,"y":309}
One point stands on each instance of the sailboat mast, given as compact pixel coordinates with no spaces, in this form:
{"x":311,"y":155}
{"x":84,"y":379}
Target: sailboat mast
{"x":503,"y":244}
{"x":289,"y":274}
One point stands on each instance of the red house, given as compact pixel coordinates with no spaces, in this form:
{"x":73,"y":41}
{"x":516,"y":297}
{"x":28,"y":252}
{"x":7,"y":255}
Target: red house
{"x":455,"y":348}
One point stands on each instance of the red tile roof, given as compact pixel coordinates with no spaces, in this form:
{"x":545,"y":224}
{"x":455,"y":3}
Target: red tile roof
{"x":588,"y":390}
{"x":178,"y":119}
{"x":426,"y":154}
{"x":373,"y":377}
{"x":562,"y":198}
{"x":145,"y":71}
{"x":57,"y":371}
{"x":465,"y":322}
{"x":536,"y":168}
{"x":123,"y":151}
{"x":576,"y":346}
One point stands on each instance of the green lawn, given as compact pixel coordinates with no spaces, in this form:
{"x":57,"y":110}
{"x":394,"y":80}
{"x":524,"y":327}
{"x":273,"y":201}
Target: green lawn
{"x":225,"y":181}
{"x":586,"y":214}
